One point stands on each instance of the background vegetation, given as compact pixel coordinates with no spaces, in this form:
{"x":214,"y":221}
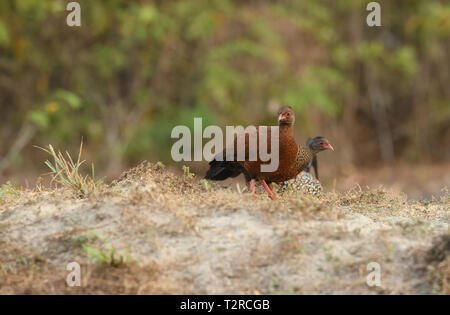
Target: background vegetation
{"x":135,"y":69}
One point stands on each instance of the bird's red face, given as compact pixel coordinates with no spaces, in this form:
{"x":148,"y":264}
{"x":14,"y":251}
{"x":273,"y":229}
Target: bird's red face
{"x":286,"y":115}
{"x":326,"y":145}
{"x":320,"y":144}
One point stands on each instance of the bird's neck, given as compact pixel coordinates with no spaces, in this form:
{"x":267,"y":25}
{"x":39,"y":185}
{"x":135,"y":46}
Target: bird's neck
{"x":286,"y":130}
{"x":312,"y":150}
{"x":287,"y":142}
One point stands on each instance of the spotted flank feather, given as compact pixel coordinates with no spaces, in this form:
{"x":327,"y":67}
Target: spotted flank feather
{"x":304,"y":182}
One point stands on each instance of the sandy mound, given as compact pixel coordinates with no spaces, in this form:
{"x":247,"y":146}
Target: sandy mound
{"x":155,"y":232}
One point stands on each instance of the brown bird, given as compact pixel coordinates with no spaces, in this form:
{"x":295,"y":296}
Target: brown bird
{"x":292,"y":158}
{"x":304,"y":181}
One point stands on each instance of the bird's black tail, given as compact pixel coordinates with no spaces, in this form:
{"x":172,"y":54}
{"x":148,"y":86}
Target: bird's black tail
{"x":313,"y":161}
{"x":221,"y":170}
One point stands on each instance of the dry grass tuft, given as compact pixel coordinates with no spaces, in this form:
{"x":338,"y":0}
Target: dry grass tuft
{"x":66,"y":172}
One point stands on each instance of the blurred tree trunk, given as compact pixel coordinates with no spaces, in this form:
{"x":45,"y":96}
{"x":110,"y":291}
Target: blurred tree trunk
{"x":377,"y":101}
{"x":24,"y":136}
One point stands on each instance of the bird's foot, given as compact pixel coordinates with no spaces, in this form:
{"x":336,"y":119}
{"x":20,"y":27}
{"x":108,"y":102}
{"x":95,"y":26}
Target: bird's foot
{"x":253,"y":184}
{"x":268,"y":190}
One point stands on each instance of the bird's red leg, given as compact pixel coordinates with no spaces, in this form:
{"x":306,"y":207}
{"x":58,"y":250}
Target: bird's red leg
{"x":268,"y":190}
{"x":248,"y":184}
{"x":253,"y":184}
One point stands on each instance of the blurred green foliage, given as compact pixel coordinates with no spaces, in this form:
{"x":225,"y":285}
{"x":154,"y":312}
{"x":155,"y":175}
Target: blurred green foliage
{"x":135,"y":69}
